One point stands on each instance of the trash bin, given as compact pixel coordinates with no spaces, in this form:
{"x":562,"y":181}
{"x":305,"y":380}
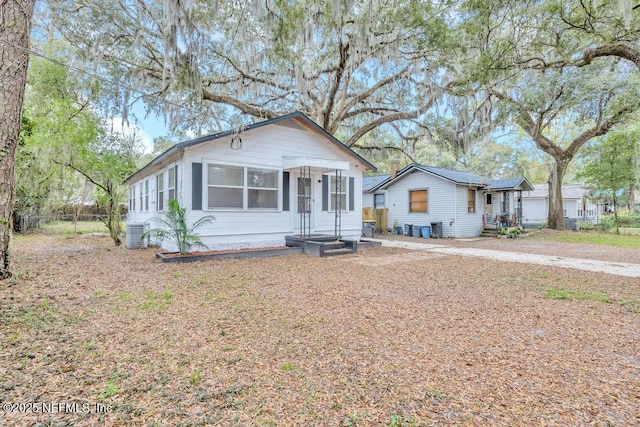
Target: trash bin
{"x":408,"y":229}
{"x":436,"y":229}
{"x":368,"y":228}
{"x":426,"y":232}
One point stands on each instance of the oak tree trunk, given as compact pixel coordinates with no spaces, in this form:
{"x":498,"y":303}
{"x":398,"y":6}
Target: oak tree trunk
{"x":15,"y":21}
{"x":556,"y":214}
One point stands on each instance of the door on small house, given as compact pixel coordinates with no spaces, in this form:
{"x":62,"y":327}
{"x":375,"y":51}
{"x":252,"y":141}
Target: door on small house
{"x":303,"y":221}
{"x":488,"y":208}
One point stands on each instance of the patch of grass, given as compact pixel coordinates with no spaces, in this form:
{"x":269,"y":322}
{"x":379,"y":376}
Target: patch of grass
{"x":401,"y":421}
{"x":157,"y":301}
{"x":596,"y":238}
{"x":195,"y":376}
{"x":352,"y":419}
{"x":68,"y":227}
{"x":287,"y":366}
{"x":126,"y":296}
{"x":110,"y":390}
{"x":561,"y":293}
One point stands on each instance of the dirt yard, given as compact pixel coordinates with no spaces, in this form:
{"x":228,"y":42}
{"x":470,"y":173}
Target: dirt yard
{"x":387,"y":337}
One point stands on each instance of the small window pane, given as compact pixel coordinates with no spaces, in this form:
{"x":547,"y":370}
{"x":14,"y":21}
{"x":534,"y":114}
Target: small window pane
{"x":225,"y":197}
{"x":342,"y":198}
{"x":263,"y":199}
{"x":226,"y":175}
{"x":262,"y":178}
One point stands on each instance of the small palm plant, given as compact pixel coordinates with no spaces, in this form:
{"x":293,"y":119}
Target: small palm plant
{"x":176,"y":230}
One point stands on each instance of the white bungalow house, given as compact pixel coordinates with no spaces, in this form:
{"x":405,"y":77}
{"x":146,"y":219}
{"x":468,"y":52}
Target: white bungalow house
{"x":276,"y":178}
{"x":576,"y":206}
{"x":453,"y":203}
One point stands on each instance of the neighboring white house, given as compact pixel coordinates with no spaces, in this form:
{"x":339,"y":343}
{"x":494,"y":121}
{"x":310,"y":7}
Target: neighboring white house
{"x":375,"y":200}
{"x":279,"y":177}
{"x":454,"y":203}
{"x":575,"y":205}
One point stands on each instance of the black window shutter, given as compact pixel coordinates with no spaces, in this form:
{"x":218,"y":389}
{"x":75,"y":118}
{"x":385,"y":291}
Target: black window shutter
{"x":285,"y":191}
{"x":196,"y":186}
{"x":352,"y":186}
{"x":325,"y":192}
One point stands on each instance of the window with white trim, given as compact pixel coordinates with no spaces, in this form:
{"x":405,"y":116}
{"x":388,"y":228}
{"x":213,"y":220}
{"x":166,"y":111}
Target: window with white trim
{"x":339,"y":193}
{"x":225,"y":187}
{"x":262,"y":188}
{"x":471,"y":200}
{"x":132,"y":198}
{"x":243,"y":188}
{"x":160,"y":191}
{"x":146,"y":194}
{"x":172,"y":182}
{"x":140,"y":190}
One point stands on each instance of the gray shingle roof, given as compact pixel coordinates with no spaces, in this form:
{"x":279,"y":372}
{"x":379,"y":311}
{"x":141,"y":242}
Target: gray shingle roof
{"x":459,"y":177}
{"x":569,"y":191}
{"x":369,"y":182}
{"x":509,"y":183}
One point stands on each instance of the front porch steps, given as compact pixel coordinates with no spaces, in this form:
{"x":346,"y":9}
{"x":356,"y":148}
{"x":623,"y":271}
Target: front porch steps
{"x":490,"y":232}
{"x":321,"y":245}
{"x":332,"y":248}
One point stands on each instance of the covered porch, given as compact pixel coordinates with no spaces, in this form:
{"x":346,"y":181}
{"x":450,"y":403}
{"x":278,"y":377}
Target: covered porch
{"x":317,"y":224}
{"x":503,"y":202}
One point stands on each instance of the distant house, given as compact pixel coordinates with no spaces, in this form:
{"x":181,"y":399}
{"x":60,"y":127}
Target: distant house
{"x":576,"y":206}
{"x":375,"y":200}
{"x":276,"y":178}
{"x":454,"y":203}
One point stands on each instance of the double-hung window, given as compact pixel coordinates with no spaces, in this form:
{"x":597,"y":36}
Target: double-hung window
{"x":160,"y":191}
{"x":378,"y":201}
{"x":146,"y":194}
{"x":338,"y":191}
{"x":173,"y":182}
{"x":132,"y":198}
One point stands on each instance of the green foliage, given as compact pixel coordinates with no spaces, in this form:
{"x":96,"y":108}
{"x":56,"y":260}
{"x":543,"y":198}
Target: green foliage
{"x":287,"y":366}
{"x":562,"y":293}
{"x":176,"y":230}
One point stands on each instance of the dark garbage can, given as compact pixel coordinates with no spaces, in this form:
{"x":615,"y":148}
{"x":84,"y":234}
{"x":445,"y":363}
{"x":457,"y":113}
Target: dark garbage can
{"x":408,"y":229}
{"x":368,"y":228}
{"x":436,"y":230}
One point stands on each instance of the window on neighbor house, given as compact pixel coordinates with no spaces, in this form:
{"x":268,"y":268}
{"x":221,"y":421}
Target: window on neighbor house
{"x":141,"y":189}
{"x":564,"y":212}
{"x":378,"y":201}
{"x":580,"y":213}
{"x":488,"y":198}
{"x":160,"y":191}
{"x":173,"y":182}
{"x":146,"y":194}
{"x":418,"y":201}
{"x":338,"y":193}
{"x":471,"y":201}
{"x":262,"y":188}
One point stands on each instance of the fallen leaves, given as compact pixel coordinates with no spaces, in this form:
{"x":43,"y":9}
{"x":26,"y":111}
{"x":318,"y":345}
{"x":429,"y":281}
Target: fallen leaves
{"x":384,"y":337}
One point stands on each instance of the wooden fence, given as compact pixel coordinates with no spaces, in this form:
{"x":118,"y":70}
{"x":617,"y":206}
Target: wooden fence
{"x":380,"y":216}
